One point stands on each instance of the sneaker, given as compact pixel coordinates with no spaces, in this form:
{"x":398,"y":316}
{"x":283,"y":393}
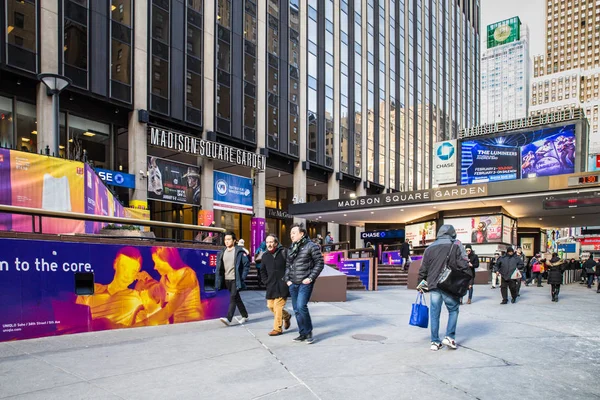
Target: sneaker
{"x":243,"y":320}
{"x":448,"y":341}
{"x":435,"y":346}
{"x":504,"y":302}
{"x":300,"y":338}
{"x":309,"y":339}
{"x":287,"y":323}
{"x":225,"y":321}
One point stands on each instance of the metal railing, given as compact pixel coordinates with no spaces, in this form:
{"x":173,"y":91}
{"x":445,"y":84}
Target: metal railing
{"x":40,"y":213}
{"x":338,"y":246}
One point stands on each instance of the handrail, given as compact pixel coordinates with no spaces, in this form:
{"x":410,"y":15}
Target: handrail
{"x":102,"y":218}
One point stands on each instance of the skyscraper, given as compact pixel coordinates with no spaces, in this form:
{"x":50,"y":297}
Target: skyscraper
{"x":505,"y":72}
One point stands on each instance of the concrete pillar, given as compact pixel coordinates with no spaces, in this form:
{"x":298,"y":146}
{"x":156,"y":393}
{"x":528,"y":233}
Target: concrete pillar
{"x":137,"y":132}
{"x":49,"y":58}
{"x":386,"y":164}
{"x":359,"y":241}
{"x":261,"y":106}
{"x":299,"y":173}
{"x":208,"y":112}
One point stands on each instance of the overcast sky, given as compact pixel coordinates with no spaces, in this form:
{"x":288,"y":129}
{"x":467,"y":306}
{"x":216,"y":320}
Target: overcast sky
{"x":531,"y":12}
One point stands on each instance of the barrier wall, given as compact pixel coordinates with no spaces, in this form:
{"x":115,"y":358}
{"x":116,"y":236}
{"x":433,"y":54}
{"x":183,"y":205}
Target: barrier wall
{"x":134,"y":286}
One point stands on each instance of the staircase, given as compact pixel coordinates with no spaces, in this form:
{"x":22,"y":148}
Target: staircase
{"x":352,"y":282}
{"x":252,"y":279}
{"x":391,"y":275}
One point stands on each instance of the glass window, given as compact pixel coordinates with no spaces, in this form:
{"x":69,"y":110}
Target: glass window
{"x":273,"y":80}
{"x":223,"y":56}
{"x":194,"y":41}
{"x":121,"y":11}
{"x":91,"y":138}
{"x":273,"y":121}
{"x":6,"y":122}
{"x":250,"y":28}
{"x":224,"y":13}
{"x":223,"y":102}
{"x":75,"y":44}
{"x":160,"y":24}
{"x":121,"y":56}
{"x":249,"y":68}
{"x":160,"y":69}
{"x":21,"y":24}
{"x":194,"y":92}
{"x":249,"y":111}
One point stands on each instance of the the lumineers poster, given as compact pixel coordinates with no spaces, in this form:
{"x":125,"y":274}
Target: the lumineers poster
{"x":173,"y":182}
{"x":133,"y":286}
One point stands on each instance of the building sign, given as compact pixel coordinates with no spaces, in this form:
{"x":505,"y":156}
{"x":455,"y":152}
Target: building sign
{"x":444,"y":162}
{"x":503,"y":32}
{"x":232,"y":193}
{"x":116,"y":178}
{"x":383,"y":235}
{"x":421,"y":234}
{"x":544,"y":152}
{"x":173,"y":182}
{"x":276,"y":213}
{"x":196,"y":146}
{"x":524,"y":123}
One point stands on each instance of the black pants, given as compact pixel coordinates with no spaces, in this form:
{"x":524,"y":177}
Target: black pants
{"x":537,"y":276}
{"x":510,"y":284}
{"x":235,"y":300}
{"x":555,"y":290}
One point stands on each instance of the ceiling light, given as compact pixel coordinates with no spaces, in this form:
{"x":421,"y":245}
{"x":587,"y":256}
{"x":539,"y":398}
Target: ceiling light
{"x":24,"y":139}
{"x":372,"y":212}
{"x":34,"y":132}
{"x":402,"y":209}
{"x":113,"y":7}
{"x":332,"y":222}
{"x":279,"y":174}
{"x":540,"y":219}
{"x":352,"y":195}
{"x":88,"y":133}
{"x":508,"y":201}
{"x":61,"y":147}
{"x":345,"y":215}
{"x":434,"y":207}
{"x":573,"y":216}
{"x":315,"y":183}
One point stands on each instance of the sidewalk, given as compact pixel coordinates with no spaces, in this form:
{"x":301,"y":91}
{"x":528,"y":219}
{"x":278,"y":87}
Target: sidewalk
{"x":534,"y":349}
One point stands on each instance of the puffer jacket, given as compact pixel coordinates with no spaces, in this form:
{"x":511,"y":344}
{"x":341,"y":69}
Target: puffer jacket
{"x":306,"y":263}
{"x":555,"y":267}
{"x":434,"y":258}
{"x":242,"y":266}
{"x":507,"y":265}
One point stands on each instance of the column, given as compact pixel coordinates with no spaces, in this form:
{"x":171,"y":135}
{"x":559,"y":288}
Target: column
{"x":361,"y":190}
{"x":386,"y":164}
{"x":208,"y":101}
{"x":261,"y":106}
{"x":333,"y":185}
{"x":49,"y":58}
{"x":137,"y":131}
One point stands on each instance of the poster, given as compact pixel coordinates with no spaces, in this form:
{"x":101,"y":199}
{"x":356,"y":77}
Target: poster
{"x":173,"y":182}
{"x":99,"y":200}
{"x":258,"y":233}
{"x":232,"y":193}
{"x":444,"y":162}
{"x":420,"y":234}
{"x":132,"y":286}
{"x":482,"y":162}
{"x":551,"y":154}
{"x":477,"y":230}
{"x":37,"y":181}
{"x":527,"y":244}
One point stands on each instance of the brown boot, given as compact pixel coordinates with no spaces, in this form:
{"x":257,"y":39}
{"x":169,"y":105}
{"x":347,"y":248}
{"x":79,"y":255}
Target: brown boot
{"x":275,"y":333}
{"x":469,"y":301}
{"x":287,"y":323}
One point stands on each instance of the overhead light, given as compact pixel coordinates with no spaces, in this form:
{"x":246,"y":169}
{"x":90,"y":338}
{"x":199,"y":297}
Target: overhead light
{"x":88,"y":133}
{"x":352,"y":195}
{"x":434,"y":207}
{"x":24,"y":139}
{"x":573,"y":216}
{"x":113,"y":7}
{"x":315,"y":183}
{"x":120,"y":168}
{"x":402,"y":209}
{"x":540,"y":219}
{"x":61,"y":147}
{"x":34,"y":132}
{"x":279,"y":174}
{"x":508,"y":201}
{"x":345,"y":215}
{"x":10,"y":29}
{"x":332,"y":222}
{"x":372,"y":212}
{"x":344,"y":192}
{"x":218,"y":17}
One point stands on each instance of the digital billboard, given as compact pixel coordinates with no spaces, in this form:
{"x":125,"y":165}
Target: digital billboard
{"x":543,"y":152}
{"x":420,"y":234}
{"x":477,"y":230}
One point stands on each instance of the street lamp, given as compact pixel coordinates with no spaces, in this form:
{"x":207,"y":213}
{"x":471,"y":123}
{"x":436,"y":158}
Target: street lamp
{"x":54,"y":85}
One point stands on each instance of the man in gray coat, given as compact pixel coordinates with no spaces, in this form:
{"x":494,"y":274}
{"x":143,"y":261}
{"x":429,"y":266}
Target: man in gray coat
{"x":507,"y":266}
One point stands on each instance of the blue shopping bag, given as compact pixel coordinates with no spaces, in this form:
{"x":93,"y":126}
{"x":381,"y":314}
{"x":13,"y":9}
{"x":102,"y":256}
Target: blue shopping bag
{"x":420,"y":312}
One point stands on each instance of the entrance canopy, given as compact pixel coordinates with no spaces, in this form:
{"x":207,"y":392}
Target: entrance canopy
{"x":558,"y":201}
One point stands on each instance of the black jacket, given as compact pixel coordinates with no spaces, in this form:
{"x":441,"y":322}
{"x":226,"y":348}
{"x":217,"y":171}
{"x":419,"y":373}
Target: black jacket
{"x":306,"y":263}
{"x":434,"y":258}
{"x":589,"y":265}
{"x":272,"y":271}
{"x":555,"y":268}
{"x":507,"y":265}
{"x":242,"y":266}
{"x":474,"y":260}
{"x":404,"y":250}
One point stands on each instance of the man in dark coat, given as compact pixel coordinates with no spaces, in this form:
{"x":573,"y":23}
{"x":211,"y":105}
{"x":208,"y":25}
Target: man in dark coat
{"x":405,"y":254}
{"x":231,"y":272}
{"x":445,"y":247}
{"x":473,"y":265}
{"x":304,"y":264}
{"x":555,"y":269}
{"x":272,"y":271}
{"x":507,"y":266}
{"x":589,"y":266}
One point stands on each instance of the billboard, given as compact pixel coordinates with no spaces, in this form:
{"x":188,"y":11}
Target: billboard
{"x":133,"y":286}
{"x":444,"y":162}
{"x":544,"y":152}
{"x":99,"y":200}
{"x":420,"y":234}
{"x":173,"y":182}
{"x":477,"y":230}
{"x":232,"y":193}
{"x":503,"y":32}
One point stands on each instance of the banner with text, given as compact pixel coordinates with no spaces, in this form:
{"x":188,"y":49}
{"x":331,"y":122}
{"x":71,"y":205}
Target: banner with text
{"x":444,"y":162}
{"x":477,"y":230}
{"x":173,"y":182}
{"x":232,"y":193}
{"x":421,"y":234}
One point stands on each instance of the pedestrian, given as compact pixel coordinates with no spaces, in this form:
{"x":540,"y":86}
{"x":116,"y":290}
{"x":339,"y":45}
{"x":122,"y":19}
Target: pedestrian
{"x":446,"y":249}
{"x":590,"y":269}
{"x":598,"y":276}
{"x":473,"y":265}
{"x":258,"y":254}
{"x":328,"y":240}
{"x":537,"y":270}
{"x":405,"y":254}
{"x":555,"y":268}
{"x":242,"y":243}
{"x":232,"y":269}
{"x":495,"y":275}
{"x":507,"y":266}
{"x":272,"y":272}
{"x":522,"y":270}
{"x":304,"y":264}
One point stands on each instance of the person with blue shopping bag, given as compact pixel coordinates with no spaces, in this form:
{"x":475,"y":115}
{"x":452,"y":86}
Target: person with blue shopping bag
{"x":449,"y":252}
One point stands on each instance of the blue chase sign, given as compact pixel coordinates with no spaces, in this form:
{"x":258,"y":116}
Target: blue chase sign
{"x":116,"y":178}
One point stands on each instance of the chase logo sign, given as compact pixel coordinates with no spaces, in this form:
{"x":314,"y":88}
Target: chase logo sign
{"x":445,"y":151}
{"x":115,"y":178}
{"x":444,"y":162}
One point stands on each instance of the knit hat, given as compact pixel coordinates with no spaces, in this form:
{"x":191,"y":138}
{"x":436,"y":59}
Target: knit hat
{"x":468,"y":246}
{"x":510,"y":250}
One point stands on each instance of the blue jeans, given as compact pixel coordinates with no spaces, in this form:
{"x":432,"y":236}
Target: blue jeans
{"x":590,"y":280}
{"x":437,"y":297}
{"x":300,"y":294}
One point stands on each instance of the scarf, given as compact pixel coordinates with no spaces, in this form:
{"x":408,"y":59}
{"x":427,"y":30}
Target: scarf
{"x":296,"y":247}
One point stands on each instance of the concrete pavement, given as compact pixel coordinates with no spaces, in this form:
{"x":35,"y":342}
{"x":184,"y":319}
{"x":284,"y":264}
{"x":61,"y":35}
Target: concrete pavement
{"x":534,"y":349}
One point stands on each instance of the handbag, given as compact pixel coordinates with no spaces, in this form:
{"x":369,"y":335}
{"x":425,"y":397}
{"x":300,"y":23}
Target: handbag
{"x":516,"y":275}
{"x":419,"y":315}
{"x":454,"y":281}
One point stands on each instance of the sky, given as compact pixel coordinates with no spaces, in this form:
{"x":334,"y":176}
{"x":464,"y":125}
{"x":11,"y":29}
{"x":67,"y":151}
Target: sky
{"x":531,"y":12}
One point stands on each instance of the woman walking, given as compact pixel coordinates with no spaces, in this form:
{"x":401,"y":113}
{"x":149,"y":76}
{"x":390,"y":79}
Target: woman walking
{"x":555,"y":274}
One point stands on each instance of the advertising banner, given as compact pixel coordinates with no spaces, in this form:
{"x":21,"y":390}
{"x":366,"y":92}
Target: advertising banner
{"x":257,"y":234}
{"x":527,"y":244}
{"x":116,"y":178}
{"x":392,"y":258}
{"x":333,"y":257}
{"x":444,"y":162}
{"x":477,"y":230}
{"x":133,"y":286}
{"x":358,"y":268}
{"x":173,"y":182}
{"x":544,"y":152}
{"x":232,"y":193}
{"x":420,"y":234}
{"x":99,"y":200}
{"x":36,"y":181}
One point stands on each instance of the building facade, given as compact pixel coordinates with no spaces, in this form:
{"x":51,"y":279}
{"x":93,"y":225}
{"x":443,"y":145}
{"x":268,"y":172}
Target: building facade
{"x":291,"y":80}
{"x":505,"y":72}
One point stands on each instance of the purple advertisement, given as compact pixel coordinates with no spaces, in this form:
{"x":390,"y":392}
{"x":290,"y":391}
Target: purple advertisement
{"x":131,"y":286}
{"x":5,"y":189}
{"x":549,"y":154}
{"x":99,"y":200}
{"x":333,"y":257}
{"x":391,"y":258}
{"x":358,"y":268}
{"x":257,"y":233}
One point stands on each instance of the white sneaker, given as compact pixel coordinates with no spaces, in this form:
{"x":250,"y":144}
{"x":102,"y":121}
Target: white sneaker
{"x":435,"y":346}
{"x":225,"y":321}
{"x":243,"y":320}
{"x":449,"y":342}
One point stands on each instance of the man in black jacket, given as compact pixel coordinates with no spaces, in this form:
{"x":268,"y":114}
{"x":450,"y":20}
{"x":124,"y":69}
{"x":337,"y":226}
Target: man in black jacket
{"x":506,"y":266}
{"x":272,"y":272}
{"x":304,"y":264}
{"x":405,"y":254}
{"x":445,"y":247}
{"x":231,"y":272}
{"x":590,"y":269}
{"x":473,"y":265}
